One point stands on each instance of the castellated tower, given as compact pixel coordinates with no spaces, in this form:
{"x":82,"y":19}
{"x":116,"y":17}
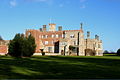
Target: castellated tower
{"x":81,"y":42}
{"x":52,"y":27}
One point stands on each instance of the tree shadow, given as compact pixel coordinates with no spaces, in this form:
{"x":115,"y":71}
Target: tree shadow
{"x":58,"y":67}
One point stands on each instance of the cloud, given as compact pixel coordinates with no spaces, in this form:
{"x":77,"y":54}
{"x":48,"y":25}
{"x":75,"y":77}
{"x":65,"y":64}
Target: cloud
{"x":13,"y":3}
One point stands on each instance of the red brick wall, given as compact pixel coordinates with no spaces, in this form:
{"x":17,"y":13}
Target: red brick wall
{"x":3,"y":49}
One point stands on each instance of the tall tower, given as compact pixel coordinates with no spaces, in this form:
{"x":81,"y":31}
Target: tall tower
{"x":81,"y":42}
{"x":88,"y":34}
{"x":81,"y":26}
{"x":52,"y":27}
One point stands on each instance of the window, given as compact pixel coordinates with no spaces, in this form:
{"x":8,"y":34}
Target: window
{"x":49,"y":49}
{"x":46,"y":42}
{"x":52,"y":36}
{"x":57,"y":36}
{"x":43,"y":36}
{"x":72,"y":36}
{"x":75,"y":42}
{"x":52,"y":42}
{"x":39,"y":36}
{"x":99,"y":46}
{"x":62,"y":35}
{"x":46,"y":36}
{"x":63,"y":43}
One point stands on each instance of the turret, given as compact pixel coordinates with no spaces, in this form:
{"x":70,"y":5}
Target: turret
{"x":52,"y":27}
{"x":97,"y":37}
{"x":81,"y":26}
{"x":88,"y":34}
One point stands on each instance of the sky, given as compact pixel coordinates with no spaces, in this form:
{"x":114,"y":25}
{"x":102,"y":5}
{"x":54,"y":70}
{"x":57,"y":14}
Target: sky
{"x":101,"y":17}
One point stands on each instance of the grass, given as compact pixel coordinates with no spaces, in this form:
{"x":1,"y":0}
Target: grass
{"x":60,"y":67}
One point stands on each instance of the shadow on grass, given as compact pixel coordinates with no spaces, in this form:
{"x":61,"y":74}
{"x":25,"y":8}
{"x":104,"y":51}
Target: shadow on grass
{"x":59,"y":67}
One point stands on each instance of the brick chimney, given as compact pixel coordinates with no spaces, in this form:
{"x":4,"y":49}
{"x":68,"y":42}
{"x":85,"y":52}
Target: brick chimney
{"x":60,"y":28}
{"x":44,"y":28}
{"x":40,"y":29}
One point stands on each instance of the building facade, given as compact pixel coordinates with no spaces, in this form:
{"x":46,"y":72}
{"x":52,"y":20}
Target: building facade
{"x":65,"y":42}
{"x":3,"y":47}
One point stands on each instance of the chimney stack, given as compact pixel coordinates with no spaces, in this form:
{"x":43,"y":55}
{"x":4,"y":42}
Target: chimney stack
{"x":40,"y":29}
{"x":81,"y":26}
{"x":44,"y":28}
{"x":52,"y":27}
{"x":88,"y":34}
{"x":97,"y":37}
{"x":60,"y":28}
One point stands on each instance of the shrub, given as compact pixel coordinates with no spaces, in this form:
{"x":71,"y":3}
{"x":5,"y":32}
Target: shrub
{"x":22,"y":46}
{"x":90,"y":52}
{"x":106,"y":52}
{"x":118,"y":52}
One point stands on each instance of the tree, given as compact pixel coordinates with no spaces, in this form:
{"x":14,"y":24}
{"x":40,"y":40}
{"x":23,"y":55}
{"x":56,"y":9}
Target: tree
{"x":118,"y":52}
{"x":1,"y":38}
{"x":106,"y":52}
{"x":22,"y":46}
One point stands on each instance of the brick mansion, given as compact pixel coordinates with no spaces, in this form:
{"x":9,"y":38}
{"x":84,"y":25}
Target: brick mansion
{"x":63,"y":42}
{"x":52,"y":41}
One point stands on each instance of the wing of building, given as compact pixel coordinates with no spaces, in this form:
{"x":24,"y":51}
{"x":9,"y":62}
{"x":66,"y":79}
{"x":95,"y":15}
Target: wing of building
{"x":65,"y":42}
{"x":3,"y":47}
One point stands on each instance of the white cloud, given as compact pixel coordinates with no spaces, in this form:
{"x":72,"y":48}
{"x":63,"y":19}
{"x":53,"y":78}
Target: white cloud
{"x":13,"y":3}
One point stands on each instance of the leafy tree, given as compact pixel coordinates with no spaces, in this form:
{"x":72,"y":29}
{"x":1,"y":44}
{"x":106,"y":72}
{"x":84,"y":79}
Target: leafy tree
{"x":22,"y":46}
{"x":106,"y":52}
{"x":118,"y":52}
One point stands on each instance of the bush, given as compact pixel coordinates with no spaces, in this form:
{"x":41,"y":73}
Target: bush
{"x":106,"y":52}
{"x":90,"y":52}
{"x":118,"y":52}
{"x":22,"y":46}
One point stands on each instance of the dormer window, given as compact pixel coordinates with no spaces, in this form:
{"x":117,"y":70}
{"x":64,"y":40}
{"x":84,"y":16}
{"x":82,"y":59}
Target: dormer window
{"x":72,"y":36}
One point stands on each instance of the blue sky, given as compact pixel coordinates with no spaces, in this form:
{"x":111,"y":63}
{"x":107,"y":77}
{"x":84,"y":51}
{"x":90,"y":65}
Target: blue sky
{"x":100,"y":17}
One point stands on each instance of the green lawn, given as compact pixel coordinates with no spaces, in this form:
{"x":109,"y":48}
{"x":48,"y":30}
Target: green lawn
{"x":60,"y":67}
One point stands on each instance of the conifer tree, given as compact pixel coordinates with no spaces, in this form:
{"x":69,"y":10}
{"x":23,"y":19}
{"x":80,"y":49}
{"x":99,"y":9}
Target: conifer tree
{"x":22,"y":46}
